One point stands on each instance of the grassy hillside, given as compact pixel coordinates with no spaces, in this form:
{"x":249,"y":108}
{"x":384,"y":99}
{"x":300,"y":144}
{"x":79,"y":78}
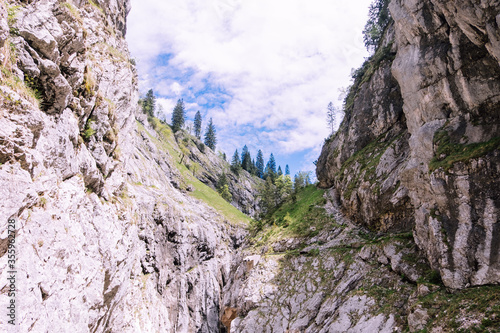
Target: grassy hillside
{"x":301,"y":215}
{"x":165,"y":141}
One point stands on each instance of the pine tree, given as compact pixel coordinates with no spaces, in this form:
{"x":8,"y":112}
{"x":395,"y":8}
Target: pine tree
{"x":331,"y":116}
{"x":197,"y":125}
{"x":271,"y":168}
{"x":378,"y":18}
{"x":149,"y":103}
{"x":223,"y":188}
{"x":267,"y":194}
{"x":280,"y":172}
{"x":284,"y":188}
{"x":210,"y":137}
{"x":235,"y":162}
{"x":302,"y":179}
{"x":259,"y":164}
{"x":178,"y":116}
{"x":246,"y":159}
{"x":254,"y":168}
{"x":287,"y":170}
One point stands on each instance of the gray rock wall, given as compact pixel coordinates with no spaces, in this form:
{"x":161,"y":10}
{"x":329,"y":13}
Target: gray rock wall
{"x":443,"y":166}
{"x":337,"y":281}
{"x":105,"y":242}
{"x":448,"y":69}
{"x":365,"y":158}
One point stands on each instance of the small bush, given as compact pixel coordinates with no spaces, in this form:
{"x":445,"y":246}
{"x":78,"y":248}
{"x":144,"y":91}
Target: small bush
{"x":88,"y":131}
{"x":89,"y":83}
{"x":224,"y":193}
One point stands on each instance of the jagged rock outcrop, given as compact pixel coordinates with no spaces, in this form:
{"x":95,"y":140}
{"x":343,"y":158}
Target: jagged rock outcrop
{"x":105,"y":240}
{"x":442,"y":168}
{"x":342,"y":280}
{"x":365,"y":158}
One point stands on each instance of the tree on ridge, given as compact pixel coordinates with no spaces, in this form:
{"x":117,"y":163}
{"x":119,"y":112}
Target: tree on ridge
{"x":197,"y":125}
{"x":210,"y":136}
{"x":178,"y":116}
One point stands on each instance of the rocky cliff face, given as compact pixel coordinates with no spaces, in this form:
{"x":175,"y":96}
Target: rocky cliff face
{"x":419,"y":147}
{"x":346,"y":279}
{"x":114,"y":232}
{"x":107,"y":240}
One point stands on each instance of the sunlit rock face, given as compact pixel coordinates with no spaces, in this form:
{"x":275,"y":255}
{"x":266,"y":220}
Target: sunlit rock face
{"x":105,"y":241}
{"x":439,"y":174}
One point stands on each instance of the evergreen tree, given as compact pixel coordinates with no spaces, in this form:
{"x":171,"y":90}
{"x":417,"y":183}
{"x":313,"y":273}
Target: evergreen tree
{"x":149,"y":103}
{"x":246,"y":159}
{"x":287,"y":170}
{"x":235,"y":163}
{"x":331,"y":116}
{"x":210,"y":137}
{"x":197,"y":125}
{"x":271,"y":168}
{"x":254,"y":169}
{"x":280,"y":173}
{"x":273,"y":193}
{"x":178,"y":116}
{"x":378,"y":18}
{"x":302,"y":179}
{"x":225,"y":193}
{"x":223,"y":188}
{"x":284,"y":188}
{"x":267,"y":194}
{"x":259,"y":164}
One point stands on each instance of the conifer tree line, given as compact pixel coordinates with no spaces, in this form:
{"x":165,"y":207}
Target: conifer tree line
{"x":256,"y":167}
{"x":178,"y":120}
{"x":278,"y":186}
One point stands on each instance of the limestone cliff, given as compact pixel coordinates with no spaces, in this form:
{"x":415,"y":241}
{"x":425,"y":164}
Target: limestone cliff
{"x":108,"y":239}
{"x":317,"y":271}
{"x":115,"y":232}
{"x":419,"y":147}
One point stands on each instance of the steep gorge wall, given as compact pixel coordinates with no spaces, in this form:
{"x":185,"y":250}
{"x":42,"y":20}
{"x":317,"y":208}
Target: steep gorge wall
{"x":365,"y":158}
{"x":440,"y":173}
{"x":105,"y":241}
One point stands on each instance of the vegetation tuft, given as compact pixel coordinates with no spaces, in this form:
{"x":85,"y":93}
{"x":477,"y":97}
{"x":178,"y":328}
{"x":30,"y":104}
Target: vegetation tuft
{"x":88,"y":130}
{"x":301,"y":215}
{"x":367,"y":160}
{"x":73,"y":11}
{"x":365,"y":72}
{"x":448,"y":153}
{"x":470,"y":310}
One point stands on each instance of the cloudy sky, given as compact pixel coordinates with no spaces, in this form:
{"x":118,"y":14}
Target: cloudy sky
{"x":264,"y":70}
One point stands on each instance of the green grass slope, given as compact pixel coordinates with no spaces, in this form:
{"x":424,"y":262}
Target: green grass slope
{"x":165,"y":141}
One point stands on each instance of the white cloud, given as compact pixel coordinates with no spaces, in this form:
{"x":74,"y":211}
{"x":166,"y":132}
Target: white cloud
{"x":277,"y":64}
